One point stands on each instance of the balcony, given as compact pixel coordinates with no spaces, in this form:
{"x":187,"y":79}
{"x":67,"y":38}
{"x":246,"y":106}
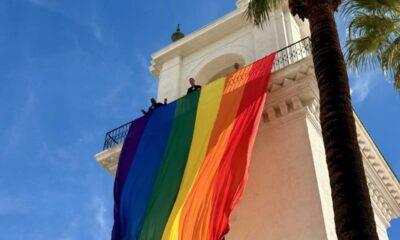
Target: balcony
{"x":286,"y":56}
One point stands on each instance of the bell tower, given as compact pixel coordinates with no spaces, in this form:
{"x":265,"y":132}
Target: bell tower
{"x":288,"y":194}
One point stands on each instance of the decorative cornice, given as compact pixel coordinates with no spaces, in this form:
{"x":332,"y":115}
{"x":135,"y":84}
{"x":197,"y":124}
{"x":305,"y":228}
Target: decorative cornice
{"x":109,"y":158}
{"x":386,"y":212}
{"x":291,"y":89}
{"x":384,"y":184}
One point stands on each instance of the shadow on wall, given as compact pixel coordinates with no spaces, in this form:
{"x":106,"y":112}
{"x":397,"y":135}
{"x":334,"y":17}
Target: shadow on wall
{"x":218,"y":67}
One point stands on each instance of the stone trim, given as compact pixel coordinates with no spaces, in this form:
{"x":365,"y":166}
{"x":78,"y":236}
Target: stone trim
{"x":109,"y":158}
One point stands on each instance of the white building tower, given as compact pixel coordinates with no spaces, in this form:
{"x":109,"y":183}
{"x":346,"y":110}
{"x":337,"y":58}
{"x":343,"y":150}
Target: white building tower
{"x":288,"y":194}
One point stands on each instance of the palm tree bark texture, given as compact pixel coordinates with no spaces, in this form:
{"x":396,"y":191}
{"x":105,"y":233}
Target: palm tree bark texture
{"x":354,"y":217}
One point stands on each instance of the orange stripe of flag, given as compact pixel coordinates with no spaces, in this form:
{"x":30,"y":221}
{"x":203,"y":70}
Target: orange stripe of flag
{"x":194,"y":222}
{"x":232,"y":173}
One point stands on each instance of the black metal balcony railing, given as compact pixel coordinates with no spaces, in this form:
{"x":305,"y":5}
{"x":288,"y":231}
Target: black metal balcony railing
{"x":284,"y":57}
{"x":292,"y":54}
{"x":116,"y":136}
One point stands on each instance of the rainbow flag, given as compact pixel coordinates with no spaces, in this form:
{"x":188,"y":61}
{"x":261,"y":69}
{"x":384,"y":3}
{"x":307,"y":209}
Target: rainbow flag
{"x":183,"y":167}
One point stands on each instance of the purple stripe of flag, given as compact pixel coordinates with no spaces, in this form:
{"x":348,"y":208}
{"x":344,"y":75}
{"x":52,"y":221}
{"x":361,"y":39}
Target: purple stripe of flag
{"x":127,"y":154}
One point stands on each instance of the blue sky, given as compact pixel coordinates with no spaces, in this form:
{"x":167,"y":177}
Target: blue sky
{"x":70,"y":70}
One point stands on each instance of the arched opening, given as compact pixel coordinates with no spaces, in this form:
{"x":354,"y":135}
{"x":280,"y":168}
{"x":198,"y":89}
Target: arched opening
{"x":218,"y":67}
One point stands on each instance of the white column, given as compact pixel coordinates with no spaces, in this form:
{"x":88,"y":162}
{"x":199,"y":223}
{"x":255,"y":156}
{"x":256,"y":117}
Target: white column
{"x":281,"y":31}
{"x":168,"y":86}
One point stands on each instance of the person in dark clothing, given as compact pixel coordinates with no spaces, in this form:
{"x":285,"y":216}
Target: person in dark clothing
{"x":154,"y":105}
{"x":236,"y":66}
{"x":193,"y":87}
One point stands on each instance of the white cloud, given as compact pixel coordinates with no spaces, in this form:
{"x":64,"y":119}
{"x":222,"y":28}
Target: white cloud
{"x":48,"y":4}
{"x":92,"y":222}
{"x":95,"y":26}
{"x":16,"y":130}
{"x":361,"y":86}
{"x":87,"y":18}
{"x":111,"y":97}
{"x":96,"y":31}
{"x":102,"y":227}
{"x":150,"y":84}
{"x":100,"y":214}
{"x":144,"y":64}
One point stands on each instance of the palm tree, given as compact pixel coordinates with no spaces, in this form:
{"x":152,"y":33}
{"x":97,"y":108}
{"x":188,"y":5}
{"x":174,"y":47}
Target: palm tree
{"x":354,"y":216}
{"x":374,"y":36}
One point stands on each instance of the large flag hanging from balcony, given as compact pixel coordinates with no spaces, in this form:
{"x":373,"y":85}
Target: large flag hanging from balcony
{"x":183,"y":167}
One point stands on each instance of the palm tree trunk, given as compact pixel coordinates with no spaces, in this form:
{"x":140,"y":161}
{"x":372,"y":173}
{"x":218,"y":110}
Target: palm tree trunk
{"x":354,"y":217}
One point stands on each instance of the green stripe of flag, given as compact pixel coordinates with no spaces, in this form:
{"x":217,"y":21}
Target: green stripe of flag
{"x":170,"y":173}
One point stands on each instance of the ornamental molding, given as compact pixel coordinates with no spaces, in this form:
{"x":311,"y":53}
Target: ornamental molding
{"x":291,"y":89}
{"x":385,"y":213}
{"x":383,"y":184}
{"x":109,"y":158}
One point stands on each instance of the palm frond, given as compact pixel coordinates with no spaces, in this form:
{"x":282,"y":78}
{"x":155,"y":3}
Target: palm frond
{"x":397,"y":78}
{"x":371,"y":25}
{"x":361,"y":53}
{"x":349,"y":7}
{"x":390,"y":62}
{"x":259,"y":11}
{"x":391,"y":56}
{"x":374,"y":36}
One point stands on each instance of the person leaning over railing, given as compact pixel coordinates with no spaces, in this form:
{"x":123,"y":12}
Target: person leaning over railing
{"x":154,"y":105}
{"x":236,"y":66}
{"x":193,"y":87}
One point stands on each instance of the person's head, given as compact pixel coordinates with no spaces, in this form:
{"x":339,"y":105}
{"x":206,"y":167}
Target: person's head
{"x":236,"y":66}
{"x":191,"y":81}
{"x":153,"y":101}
